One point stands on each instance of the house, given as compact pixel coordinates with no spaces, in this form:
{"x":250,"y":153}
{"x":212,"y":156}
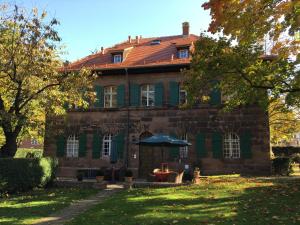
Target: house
{"x":139,"y":93}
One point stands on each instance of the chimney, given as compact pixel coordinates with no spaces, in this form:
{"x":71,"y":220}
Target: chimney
{"x":185,"y":28}
{"x":102,"y":50}
{"x":129,"y":38}
{"x":137,"y":39}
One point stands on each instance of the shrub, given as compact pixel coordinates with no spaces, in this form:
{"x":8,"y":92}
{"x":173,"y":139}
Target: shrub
{"x":29,"y":153}
{"x":282,"y":165}
{"x":24,"y":174}
{"x":296,"y":158}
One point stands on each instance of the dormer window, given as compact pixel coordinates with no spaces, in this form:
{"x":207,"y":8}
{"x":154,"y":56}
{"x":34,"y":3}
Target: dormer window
{"x":183,"y":53}
{"x":117,"y":58}
{"x":155,"y":42}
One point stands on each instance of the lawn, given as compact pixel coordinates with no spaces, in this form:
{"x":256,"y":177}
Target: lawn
{"x":215,"y":201}
{"x":27,"y":207}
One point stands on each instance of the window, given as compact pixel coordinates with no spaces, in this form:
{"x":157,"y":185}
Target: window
{"x":183,"y":53}
{"x":155,"y":42}
{"x":231,"y":146}
{"x":110,"y":97}
{"x":34,"y":141}
{"x":147,"y":95}
{"x":184,"y":150}
{"x":72,"y":146}
{"x":182,"y":95}
{"x":117,"y":58}
{"x":106,"y":146}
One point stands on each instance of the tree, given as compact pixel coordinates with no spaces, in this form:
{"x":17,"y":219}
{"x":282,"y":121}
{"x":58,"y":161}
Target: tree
{"x":32,"y":81}
{"x":238,"y":60}
{"x":283,"y":121}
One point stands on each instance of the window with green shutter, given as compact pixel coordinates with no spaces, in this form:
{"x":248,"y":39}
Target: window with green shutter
{"x":121,"y":95}
{"x":82,"y":144}
{"x":159,"y":94}
{"x":97,"y":145}
{"x":200,"y":145}
{"x":245,"y":145}
{"x":174,"y":93}
{"x":215,"y":95}
{"x":99,"y":97}
{"x":120,"y":144}
{"x":217,"y":145}
{"x":134,"y":95}
{"x":60,"y":146}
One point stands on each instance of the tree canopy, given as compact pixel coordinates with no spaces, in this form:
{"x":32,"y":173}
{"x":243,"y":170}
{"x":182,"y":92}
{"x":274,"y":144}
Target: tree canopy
{"x":32,"y":79}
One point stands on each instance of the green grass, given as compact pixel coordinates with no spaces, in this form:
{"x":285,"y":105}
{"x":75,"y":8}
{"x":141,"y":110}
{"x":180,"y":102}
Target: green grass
{"x":27,"y":207}
{"x":215,"y":201}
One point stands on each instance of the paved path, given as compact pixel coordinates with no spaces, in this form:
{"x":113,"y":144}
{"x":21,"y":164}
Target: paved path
{"x":78,"y":207}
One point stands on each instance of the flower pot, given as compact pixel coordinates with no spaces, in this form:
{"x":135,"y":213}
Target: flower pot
{"x":196,"y":174}
{"x":128,"y":179}
{"x":99,"y":178}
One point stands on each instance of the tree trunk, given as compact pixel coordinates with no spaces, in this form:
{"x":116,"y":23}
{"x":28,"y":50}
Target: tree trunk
{"x":9,"y":149}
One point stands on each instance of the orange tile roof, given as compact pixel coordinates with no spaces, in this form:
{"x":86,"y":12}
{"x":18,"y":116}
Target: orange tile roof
{"x":138,"y":54}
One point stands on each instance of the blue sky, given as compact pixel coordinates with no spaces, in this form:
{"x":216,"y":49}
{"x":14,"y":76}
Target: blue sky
{"x":87,"y":25}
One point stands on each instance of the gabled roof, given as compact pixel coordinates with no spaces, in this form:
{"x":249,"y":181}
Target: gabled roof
{"x":138,"y":54}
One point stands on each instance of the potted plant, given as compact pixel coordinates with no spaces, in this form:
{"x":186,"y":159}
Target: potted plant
{"x":196,"y":172}
{"x":128,"y":176}
{"x":80,"y":175}
{"x":99,"y":176}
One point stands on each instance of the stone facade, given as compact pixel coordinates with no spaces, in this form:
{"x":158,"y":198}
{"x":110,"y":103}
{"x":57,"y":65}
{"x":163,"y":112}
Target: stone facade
{"x":135,"y":121}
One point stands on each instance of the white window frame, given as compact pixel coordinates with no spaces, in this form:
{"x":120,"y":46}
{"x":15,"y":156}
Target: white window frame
{"x":184,"y":151}
{"x":117,"y":58}
{"x":110,"y":97}
{"x":146,"y":91}
{"x":183,"y":53}
{"x":181,"y":100}
{"x":231,"y":146}
{"x":72,"y":146}
{"x":106,"y":145}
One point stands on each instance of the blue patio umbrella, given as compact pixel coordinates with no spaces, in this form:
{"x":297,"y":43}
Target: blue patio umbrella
{"x":163,"y":140}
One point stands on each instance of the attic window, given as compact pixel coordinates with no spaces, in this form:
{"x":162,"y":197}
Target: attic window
{"x":183,"y":53}
{"x":117,"y":58}
{"x":155,"y":42}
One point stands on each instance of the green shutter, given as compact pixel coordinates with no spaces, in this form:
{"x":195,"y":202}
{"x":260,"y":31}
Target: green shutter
{"x":134,"y":95}
{"x":159,"y":94}
{"x":200,"y":145}
{"x":174,"y":151}
{"x":174,"y":93}
{"x":120,"y":145}
{"x":82,"y":145}
{"x":97,"y":145}
{"x":245,"y":145}
{"x":99,"y":97}
{"x":60,"y":146}
{"x":121,"y":95}
{"x":217,"y":145}
{"x":215,"y":95}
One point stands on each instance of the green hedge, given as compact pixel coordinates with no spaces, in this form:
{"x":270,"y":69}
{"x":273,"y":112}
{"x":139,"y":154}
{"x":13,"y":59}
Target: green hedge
{"x":24,"y":174}
{"x":282,"y":165}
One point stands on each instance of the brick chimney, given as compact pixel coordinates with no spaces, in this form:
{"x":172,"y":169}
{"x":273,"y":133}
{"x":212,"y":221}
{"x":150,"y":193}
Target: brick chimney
{"x":129,"y":38}
{"x":185,"y":28}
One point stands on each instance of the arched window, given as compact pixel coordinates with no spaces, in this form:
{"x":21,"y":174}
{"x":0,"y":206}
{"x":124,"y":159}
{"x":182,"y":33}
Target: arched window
{"x":231,"y":146}
{"x":72,"y":146}
{"x":106,"y":146}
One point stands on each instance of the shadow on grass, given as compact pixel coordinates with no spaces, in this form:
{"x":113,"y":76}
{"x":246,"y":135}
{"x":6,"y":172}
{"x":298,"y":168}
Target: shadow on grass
{"x":26,"y":207}
{"x":242,"y":201}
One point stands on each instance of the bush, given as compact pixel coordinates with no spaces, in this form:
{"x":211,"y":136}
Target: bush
{"x":296,"y":158}
{"x":29,"y":153}
{"x":24,"y":174}
{"x":282,"y":165}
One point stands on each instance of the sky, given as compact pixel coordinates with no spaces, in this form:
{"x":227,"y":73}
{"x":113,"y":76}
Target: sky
{"x":87,"y":25}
